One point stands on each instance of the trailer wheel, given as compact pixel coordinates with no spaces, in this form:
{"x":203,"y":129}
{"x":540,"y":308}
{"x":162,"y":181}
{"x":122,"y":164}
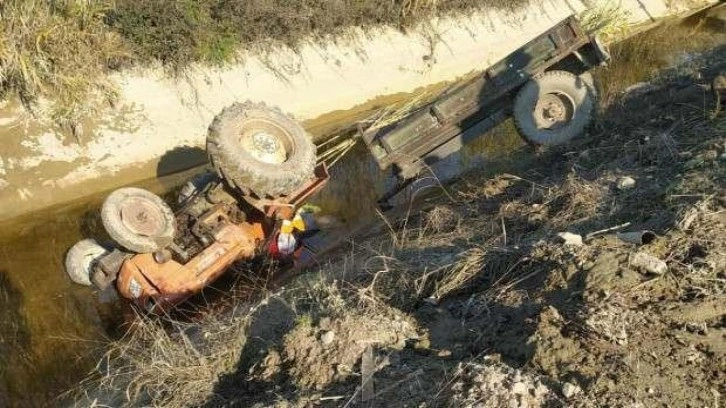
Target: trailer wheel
{"x":138,"y":220}
{"x":554,"y":107}
{"x":81,"y":259}
{"x":260,"y":150}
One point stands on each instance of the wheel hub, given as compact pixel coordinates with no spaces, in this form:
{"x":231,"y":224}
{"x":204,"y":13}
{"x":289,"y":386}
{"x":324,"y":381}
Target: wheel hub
{"x":142,"y":216}
{"x":553,"y":111}
{"x":265,"y":147}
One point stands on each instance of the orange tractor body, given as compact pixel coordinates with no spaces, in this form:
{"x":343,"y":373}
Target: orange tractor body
{"x":159,"y":286}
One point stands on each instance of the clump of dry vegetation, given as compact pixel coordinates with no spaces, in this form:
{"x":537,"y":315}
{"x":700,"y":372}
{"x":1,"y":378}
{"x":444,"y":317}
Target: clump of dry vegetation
{"x":609,"y":19}
{"x":60,"y":51}
{"x":167,"y":362}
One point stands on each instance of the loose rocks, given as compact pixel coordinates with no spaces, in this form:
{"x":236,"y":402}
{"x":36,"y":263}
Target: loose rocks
{"x":625,"y":183}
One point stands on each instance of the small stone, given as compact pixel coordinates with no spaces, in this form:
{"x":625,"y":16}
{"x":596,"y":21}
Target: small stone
{"x":444,"y":353}
{"x":649,"y":263}
{"x":570,"y":239}
{"x":569,"y":390}
{"x":324,"y":323}
{"x":540,"y":390}
{"x":625,"y":183}
{"x":520,"y":388}
{"x":327,"y":337}
{"x":650,"y":390}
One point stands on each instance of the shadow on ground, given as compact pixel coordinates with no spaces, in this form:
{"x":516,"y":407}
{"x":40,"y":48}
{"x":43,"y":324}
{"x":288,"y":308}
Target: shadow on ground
{"x":14,"y":339}
{"x":180,"y":159}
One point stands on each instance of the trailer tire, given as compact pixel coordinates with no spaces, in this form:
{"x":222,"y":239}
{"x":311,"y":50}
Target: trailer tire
{"x":260,"y":150}
{"x":81,"y":259}
{"x":138,"y":220}
{"x":555,"y":107}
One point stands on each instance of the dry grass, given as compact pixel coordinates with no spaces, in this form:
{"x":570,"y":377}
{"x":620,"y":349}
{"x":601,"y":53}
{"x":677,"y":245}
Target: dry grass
{"x":167,"y":362}
{"x":60,"y":51}
{"x":213,"y":30}
{"x":468,"y":246}
{"x":608,"y":19}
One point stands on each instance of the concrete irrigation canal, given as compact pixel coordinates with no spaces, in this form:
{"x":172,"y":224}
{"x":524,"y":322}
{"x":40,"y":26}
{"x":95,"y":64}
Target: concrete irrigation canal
{"x":51,"y":329}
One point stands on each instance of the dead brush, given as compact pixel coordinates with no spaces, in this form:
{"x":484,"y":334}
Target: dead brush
{"x":60,"y":51}
{"x":322,"y":294}
{"x":169,"y":363}
{"x":658,"y":147}
{"x":386,"y":280}
{"x":441,"y":219}
{"x":456,"y":276}
{"x":414,"y":7}
{"x":573,"y":201}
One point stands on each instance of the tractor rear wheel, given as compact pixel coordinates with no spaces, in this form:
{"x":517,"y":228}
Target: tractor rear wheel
{"x":260,"y":150}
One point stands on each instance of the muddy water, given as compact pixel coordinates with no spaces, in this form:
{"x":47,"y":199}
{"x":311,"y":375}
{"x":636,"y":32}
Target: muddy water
{"x":49,"y":327}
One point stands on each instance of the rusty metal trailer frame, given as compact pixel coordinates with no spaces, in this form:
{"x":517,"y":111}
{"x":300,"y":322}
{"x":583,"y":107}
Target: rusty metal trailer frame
{"x":467,"y":111}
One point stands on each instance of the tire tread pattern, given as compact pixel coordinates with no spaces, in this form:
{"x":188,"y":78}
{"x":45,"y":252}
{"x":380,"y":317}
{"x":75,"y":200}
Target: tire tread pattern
{"x":248,"y":175}
{"x":112,"y":222}
{"x":561,"y":81}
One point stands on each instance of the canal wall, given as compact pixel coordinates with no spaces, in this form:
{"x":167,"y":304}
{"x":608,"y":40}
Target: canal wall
{"x":158,"y":125}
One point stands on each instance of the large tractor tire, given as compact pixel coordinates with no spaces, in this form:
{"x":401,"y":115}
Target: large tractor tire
{"x":82,"y":258}
{"x":555,"y":107}
{"x":138,"y":220}
{"x":260,"y":150}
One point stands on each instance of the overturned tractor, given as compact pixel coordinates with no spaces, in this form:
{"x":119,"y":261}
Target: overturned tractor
{"x":265,"y":168}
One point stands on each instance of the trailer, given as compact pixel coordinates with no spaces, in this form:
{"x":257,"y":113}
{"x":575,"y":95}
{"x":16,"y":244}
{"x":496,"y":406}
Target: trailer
{"x":544,"y":85}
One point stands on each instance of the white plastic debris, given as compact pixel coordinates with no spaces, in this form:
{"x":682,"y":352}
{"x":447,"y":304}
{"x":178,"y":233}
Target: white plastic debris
{"x":649,"y":263}
{"x":570,"y":390}
{"x":625,"y":183}
{"x":569,"y":238}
